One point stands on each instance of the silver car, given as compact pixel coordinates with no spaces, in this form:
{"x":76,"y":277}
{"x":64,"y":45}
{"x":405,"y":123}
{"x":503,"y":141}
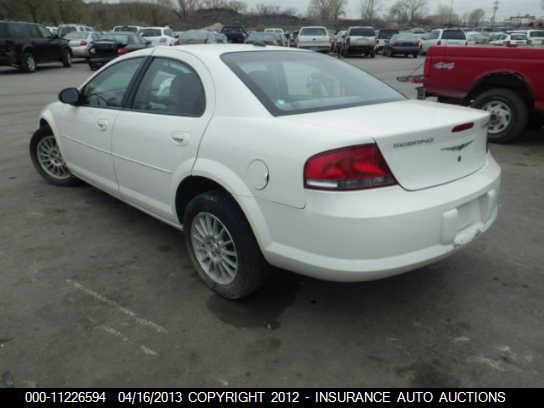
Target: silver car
{"x":80,"y":42}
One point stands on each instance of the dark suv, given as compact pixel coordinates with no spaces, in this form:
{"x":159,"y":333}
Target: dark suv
{"x":25,"y":45}
{"x":235,"y":34}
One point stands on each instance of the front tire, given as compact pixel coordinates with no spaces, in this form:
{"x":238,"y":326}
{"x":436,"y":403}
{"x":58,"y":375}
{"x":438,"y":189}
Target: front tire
{"x":222,"y":246}
{"x":28,"y":64}
{"x":509,"y":114}
{"x":48,"y":161}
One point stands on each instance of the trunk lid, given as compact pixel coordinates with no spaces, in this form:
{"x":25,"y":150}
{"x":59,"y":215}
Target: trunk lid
{"x":414,"y":137}
{"x":106,"y":48}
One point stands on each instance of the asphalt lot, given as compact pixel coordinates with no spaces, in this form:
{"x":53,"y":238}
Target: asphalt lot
{"x":95,"y":293}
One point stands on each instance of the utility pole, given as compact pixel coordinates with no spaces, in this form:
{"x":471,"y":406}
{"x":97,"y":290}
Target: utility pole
{"x":495,"y":9}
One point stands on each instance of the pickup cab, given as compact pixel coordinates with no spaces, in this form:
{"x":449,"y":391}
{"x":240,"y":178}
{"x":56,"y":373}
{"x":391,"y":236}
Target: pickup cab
{"x":507,"y":82}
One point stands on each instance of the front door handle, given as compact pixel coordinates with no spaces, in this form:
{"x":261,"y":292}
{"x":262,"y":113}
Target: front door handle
{"x":102,"y":125}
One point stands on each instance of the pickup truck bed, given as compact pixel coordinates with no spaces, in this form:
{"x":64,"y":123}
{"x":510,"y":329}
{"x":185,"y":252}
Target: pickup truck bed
{"x":508,"y":82}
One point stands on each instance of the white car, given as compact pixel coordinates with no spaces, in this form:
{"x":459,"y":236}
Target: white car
{"x":304,"y":170}
{"x":314,"y":38}
{"x":64,"y":29}
{"x":80,"y":42}
{"x":159,"y":35}
{"x":443,"y":37}
{"x":509,"y":40}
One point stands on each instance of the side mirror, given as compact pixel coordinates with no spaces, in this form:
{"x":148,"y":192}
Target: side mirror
{"x":69,"y":96}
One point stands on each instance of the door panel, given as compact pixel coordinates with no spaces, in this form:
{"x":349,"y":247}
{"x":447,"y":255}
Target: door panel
{"x":161,"y":134}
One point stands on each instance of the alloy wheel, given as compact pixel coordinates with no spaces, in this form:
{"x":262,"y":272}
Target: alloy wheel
{"x":501,"y":116}
{"x":50,"y":159}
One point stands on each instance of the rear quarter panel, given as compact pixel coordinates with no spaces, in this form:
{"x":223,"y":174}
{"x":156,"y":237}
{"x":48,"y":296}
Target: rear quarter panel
{"x":454,"y":71}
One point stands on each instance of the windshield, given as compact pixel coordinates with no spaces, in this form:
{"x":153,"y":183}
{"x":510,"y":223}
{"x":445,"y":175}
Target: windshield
{"x":386,"y":35}
{"x":363,"y":32}
{"x":290,"y":83}
{"x":313,"y":31}
{"x":151,"y":32}
{"x":76,"y":35}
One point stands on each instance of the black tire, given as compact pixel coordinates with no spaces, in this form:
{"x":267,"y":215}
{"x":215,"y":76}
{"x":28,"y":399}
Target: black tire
{"x":253,"y":270}
{"x":373,"y":54}
{"x":66,"y":58}
{"x":519,"y":113}
{"x":40,"y":134}
{"x":28,"y":64}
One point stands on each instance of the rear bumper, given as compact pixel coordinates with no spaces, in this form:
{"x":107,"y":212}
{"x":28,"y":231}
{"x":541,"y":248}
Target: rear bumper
{"x":378,"y":233}
{"x":405,"y":50}
{"x":318,"y":48}
{"x":80,"y":52}
{"x":361,"y":48}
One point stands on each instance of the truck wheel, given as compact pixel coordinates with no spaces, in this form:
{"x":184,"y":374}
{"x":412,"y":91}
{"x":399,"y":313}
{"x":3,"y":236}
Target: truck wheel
{"x":28,"y":64}
{"x":509,"y":114}
{"x":66,"y":59}
{"x":222,"y":246}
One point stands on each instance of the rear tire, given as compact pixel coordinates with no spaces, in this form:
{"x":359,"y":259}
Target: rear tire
{"x":510,"y":114}
{"x":28,"y":64}
{"x":48,"y":161}
{"x":215,"y":229}
{"x":66,"y":58}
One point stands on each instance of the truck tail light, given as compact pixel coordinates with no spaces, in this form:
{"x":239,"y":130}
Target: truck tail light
{"x":83,"y":43}
{"x":350,"y":168}
{"x":122,"y":51}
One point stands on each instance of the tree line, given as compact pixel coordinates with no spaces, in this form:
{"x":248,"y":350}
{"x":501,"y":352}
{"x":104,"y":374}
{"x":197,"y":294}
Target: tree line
{"x":176,"y":12}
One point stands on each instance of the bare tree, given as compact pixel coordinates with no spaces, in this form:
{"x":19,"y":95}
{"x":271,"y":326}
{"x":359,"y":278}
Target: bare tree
{"x":187,"y":7}
{"x":327,"y":11}
{"x":369,"y":10}
{"x":476,"y":17}
{"x":408,"y":10}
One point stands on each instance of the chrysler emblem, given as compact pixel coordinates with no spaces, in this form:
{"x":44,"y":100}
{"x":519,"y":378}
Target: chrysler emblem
{"x":458,"y":148}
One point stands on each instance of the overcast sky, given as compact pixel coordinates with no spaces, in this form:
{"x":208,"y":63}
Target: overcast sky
{"x":507,"y":8}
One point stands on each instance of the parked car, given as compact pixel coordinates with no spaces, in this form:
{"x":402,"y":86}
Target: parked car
{"x":507,"y":82}
{"x":270,"y":179}
{"x":53,"y":29}
{"x":405,"y":43}
{"x":339,"y":42}
{"x":513,"y":39}
{"x":128,"y":29}
{"x":235,"y":34}
{"x":536,"y":37}
{"x":360,"y":40}
{"x":26,"y":45}
{"x":109,"y":46}
{"x":177,"y":34}
{"x":159,"y":35}
{"x":220,"y":38}
{"x":281,"y":34}
{"x":383,"y":37}
{"x":443,"y":37}
{"x":476,"y":38}
{"x":80,"y":42}
{"x":314,"y":38}
{"x":64,"y":29}
{"x":268,"y":38}
{"x":198,"y":37}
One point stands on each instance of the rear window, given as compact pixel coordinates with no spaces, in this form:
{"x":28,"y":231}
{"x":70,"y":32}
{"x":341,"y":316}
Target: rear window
{"x":76,"y":35}
{"x":290,"y":83}
{"x":453,"y":35}
{"x":232,"y":29}
{"x":65,"y":30}
{"x":363,"y":32}
{"x":386,"y":34}
{"x":537,"y":34}
{"x":120,"y":38}
{"x":151,"y":32}
{"x":128,"y":29}
{"x":314,"y":32}
{"x":518,"y":36}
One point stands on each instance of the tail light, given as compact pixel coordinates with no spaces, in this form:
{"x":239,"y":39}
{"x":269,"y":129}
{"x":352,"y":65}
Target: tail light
{"x":463,"y":127}
{"x":350,"y":168}
{"x":83,"y":43}
{"x":122,"y":51}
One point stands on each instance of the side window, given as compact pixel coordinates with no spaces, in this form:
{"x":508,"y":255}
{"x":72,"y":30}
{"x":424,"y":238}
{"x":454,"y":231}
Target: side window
{"x":45,"y":33}
{"x":171,"y":87}
{"x":108,"y":89}
{"x":453,"y":35}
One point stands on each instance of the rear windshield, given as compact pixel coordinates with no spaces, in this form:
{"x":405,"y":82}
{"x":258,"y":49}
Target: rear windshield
{"x":313,"y":31}
{"x":65,"y":30}
{"x":151,"y":32}
{"x":537,"y":34}
{"x":76,"y":35}
{"x":386,"y":34}
{"x":232,"y":29}
{"x":518,"y":36}
{"x":406,"y":36}
{"x":269,"y":36}
{"x":194,"y":35}
{"x":453,"y":35}
{"x":120,"y":38}
{"x":363,"y":32}
{"x":290,"y":83}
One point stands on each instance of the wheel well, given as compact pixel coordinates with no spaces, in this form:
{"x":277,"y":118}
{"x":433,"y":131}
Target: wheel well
{"x":44,"y":124}
{"x":514,"y":82}
{"x":190,"y":188}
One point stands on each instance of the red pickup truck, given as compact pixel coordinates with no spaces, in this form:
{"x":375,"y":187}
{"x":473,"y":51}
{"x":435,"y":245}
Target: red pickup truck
{"x":508,"y":82}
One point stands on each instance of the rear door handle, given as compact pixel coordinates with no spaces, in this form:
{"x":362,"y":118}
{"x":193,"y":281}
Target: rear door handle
{"x":102,"y":125}
{"x":180,"y":138}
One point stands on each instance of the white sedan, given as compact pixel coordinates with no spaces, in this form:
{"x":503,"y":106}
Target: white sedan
{"x":274,"y":156}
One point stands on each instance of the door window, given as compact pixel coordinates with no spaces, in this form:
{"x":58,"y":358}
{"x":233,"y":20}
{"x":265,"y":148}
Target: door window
{"x":171,"y":87}
{"x":108,"y":89}
{"x":45,"y":33}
